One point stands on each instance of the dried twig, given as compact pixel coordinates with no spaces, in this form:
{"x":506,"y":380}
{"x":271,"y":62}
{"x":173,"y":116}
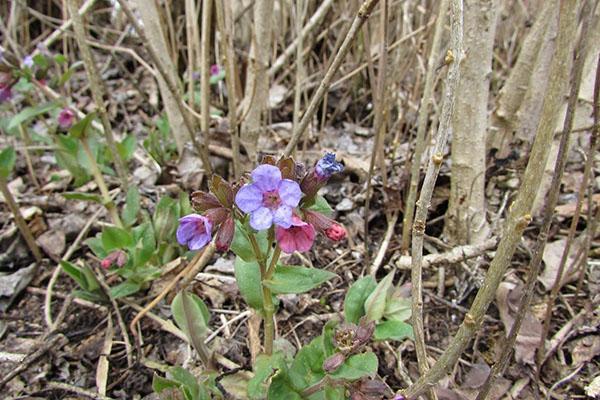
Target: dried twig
{"x":453,"y":57}
{"x":363,"y":13}
{"x":426,"y":100}
{"x":97,"y":90}
{"x":519,"y":216}
{"x":552,"y":196}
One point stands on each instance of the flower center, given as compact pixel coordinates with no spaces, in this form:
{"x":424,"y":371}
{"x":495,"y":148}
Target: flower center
{"x":271,"y":199}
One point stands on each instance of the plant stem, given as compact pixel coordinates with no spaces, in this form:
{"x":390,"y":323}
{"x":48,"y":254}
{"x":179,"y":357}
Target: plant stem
{"x":106,"y":200}
{"x":21,"y":224}
{"x":269,"y":308}
{"x":96,"y":89}
{"x":415,"y":168}
{"x":453,"y":58}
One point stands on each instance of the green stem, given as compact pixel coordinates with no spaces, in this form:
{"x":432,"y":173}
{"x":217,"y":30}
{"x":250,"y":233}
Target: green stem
{"x":106,"y":199}
{"x":269,"y":309}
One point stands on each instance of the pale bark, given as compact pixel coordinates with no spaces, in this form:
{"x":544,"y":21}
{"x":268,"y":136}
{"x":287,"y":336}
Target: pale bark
{"x":519,"y":215}
{"x":466,"y":217}
{"x":257,"y":86}
{"x":151,"y":19}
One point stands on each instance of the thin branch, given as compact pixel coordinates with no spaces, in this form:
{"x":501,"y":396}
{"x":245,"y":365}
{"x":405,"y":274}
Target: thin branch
{"x":415,"y":168}
{"x":552,"y":196}
{"x":519,"y":215}
{"x":453,"y":58}
{"x":363,"y":13}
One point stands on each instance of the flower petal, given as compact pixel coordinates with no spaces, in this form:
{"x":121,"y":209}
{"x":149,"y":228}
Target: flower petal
{"x":305,"y":238}
{"x":261,"y":219}
{"x":249,"y":198}
{"x":283,"y":216}
{"x":185,"y":231}
{"x":199,"y":241}
{"x":266,"y":177}
{"x":285,"y":240}
{"x":290,"y":192}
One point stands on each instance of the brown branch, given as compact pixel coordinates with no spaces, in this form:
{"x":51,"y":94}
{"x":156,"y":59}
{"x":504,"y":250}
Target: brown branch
{"x":363,"y":13}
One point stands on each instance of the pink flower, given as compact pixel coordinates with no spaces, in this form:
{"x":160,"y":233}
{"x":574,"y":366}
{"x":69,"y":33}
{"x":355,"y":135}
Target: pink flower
{"x":298,"y":237}
{"x":335,"y":232}
{"x":66,"y":118}
{"x":215,"y":69}
{"x":117,"y":257}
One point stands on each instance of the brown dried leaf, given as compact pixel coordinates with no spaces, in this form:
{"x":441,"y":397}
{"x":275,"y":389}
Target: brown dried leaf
{"x":508,"y":297}
{"x":585,"y":349}
{"x":552,"y":255}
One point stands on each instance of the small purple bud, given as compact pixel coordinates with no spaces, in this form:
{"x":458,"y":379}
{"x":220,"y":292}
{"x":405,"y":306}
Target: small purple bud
{"x":66,"y":118}
{"x":333,"y":362}
{"x":399,"y":397}
{"x":364,"y":331}
{"x":328,"y":166}
{"x":28,"y":61}
{"x":5,"y":93}
{"x":215,"y":69}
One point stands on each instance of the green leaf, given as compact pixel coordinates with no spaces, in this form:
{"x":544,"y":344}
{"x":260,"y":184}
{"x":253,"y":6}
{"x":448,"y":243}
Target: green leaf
{"x":74,"y":272}
{"x":124,"y":289}
{"x":92,"y":283}
{"x":40,"y":60}
{"x":159,"y":383}
{"x":186,"y":379}
{"x":60,"y":59}
{"x":218,"y":77}
{"x":354,"y":304}
{"x":80,"y":128}
{"x":116,"y":238}
{"x":132,"y":206}
{"x":7,"y":161}
{"x":241,"y":245}
{"x":398,"y":309}
{"x":264,"y":367}
{"x":375,"y":303}
{"x":294,"y":279}
{"x":394,"y":330}
{"x":95,"y":244}
{"x":69,"y":73}
{"x":321,"y":205}
{"x":30,"y":112}
{"x":247,"y":275}
{"x":192,"y":316}
{"x":126,"y":147}
{"x":83,"y":196}
{"x":357,"y":366}
{"x":165,"y":219}
{"x":307,"y":367}
{"x":281,"y":388}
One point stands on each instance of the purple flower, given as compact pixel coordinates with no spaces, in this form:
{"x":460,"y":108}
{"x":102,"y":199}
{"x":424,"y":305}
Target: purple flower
{"x":215,"y":69}
{"x":327,"y":166}
{"x":194,"y":231}
{"x":269,"y":199}
{"x":66,"y":118}
{"x":28,"y":61}
{"x":5,"y":93}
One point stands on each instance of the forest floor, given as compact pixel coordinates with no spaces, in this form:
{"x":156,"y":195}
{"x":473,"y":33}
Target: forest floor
{"x":86,"y":348}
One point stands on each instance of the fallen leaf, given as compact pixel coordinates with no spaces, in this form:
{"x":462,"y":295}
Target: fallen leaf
{"x":476,"y":376}
{"x":53,"y":242}
{"x":593,"y":389}
{"x":585,"y":349}
{"x":552,"y":255}
{"x":12,"y":284}
{"x":568,"y":209}
{"x":508,"y":297}
{"x":276,"y":95}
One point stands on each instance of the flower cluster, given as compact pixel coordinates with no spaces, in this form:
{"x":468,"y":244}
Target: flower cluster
{"x":277,"y":198}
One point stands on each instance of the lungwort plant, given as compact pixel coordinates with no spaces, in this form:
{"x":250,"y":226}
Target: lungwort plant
{"x":275,"y":210}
